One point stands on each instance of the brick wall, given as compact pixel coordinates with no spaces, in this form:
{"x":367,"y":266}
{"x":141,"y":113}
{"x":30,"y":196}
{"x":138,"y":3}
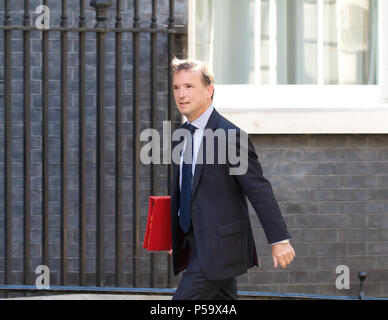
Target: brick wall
{"x":333,"y":192}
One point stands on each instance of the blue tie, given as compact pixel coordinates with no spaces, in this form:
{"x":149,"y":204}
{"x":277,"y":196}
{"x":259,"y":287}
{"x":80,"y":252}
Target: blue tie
{"x":187,"y":176}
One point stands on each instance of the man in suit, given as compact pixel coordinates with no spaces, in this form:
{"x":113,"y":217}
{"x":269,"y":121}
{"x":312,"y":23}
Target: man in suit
{"x":211,"y":232}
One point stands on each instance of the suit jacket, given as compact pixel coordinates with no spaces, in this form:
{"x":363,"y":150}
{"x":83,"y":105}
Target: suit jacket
{"x":219,"y":212}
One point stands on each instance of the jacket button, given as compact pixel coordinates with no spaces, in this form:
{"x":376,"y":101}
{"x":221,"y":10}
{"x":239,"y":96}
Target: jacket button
{"x":195,"y":208}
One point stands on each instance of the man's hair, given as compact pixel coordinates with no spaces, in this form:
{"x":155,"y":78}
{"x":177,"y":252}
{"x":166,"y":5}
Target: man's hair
{"x":207,"y":76}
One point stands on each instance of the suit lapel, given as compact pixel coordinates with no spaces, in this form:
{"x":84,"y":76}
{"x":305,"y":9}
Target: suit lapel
{"x":211,"y":124}
{"x":175,"y":166}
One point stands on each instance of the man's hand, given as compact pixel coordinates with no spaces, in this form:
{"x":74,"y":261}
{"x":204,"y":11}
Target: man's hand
{"x":169,"y":252}
{"x":282,"y":254}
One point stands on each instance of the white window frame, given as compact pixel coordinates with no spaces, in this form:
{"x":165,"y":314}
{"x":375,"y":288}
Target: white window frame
{"x":307,"y":109}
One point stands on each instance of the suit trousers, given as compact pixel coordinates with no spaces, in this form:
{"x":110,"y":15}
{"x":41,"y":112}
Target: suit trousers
{"x":195,"y":286}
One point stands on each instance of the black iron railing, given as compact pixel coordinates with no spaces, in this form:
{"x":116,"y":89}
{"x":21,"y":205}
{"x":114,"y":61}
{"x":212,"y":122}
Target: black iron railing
{"x":101,"y":29}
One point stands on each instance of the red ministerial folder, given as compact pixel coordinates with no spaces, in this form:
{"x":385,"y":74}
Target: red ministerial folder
{"x":158,"y":232}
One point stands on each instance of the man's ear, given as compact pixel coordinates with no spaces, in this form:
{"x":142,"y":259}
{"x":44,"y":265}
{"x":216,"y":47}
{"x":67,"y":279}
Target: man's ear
{"x":210,"y":91}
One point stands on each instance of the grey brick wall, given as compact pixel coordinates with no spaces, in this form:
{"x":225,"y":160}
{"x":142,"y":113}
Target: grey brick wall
{"x":333,"y":192}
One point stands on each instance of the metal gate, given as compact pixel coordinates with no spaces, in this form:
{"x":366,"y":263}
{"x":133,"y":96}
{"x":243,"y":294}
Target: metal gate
{"x":28,"y":223}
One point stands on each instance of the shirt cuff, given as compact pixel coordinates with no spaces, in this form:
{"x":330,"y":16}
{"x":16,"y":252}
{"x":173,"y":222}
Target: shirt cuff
{"x":283,"y":241}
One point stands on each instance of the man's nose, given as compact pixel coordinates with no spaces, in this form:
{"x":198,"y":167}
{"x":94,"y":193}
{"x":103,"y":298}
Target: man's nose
{"x":181,"y":92}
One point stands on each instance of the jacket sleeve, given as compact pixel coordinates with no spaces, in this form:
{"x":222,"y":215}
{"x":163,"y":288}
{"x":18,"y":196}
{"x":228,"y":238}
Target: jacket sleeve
{"x":259,"y":191}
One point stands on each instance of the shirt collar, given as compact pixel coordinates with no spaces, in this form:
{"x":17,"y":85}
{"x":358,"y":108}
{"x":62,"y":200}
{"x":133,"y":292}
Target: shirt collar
{"x":202,"y":120}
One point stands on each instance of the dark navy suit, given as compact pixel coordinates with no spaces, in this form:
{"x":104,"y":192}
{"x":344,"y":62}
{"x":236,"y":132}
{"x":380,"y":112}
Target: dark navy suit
{"x":220,"y":244}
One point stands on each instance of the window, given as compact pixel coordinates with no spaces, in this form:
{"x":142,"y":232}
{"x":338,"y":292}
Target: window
{"x":294,"y":54}
{"x":288,"y":41}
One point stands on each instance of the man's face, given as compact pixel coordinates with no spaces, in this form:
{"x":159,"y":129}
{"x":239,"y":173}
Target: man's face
{"x":192,"y":97}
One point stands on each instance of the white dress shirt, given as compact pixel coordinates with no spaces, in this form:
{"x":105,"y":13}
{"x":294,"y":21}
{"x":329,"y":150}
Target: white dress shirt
{"x":199,"y":123}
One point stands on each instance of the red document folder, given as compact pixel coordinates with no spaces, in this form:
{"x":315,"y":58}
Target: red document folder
{"x":158,"y":232}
